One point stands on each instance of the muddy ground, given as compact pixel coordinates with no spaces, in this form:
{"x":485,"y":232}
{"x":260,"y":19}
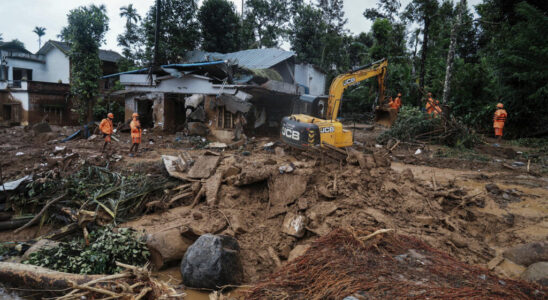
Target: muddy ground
{"x":439,"y":195}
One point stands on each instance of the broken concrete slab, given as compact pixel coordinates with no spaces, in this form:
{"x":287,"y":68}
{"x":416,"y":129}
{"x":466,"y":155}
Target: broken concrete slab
{"x":175,"y":166}
{"x":204,"y":166}
{"x":212,"y":185}
{"x":294,"y":225}
{"x":321,"y":210}
{"x":285,"y":189}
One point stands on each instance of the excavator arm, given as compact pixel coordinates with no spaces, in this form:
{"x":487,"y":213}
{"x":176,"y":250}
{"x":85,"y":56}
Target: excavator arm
{"x":343,"y":81}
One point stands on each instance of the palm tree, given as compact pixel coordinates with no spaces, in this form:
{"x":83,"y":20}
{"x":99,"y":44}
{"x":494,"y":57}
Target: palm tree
{"x":40,"y":32}
{"x":130,"y":13}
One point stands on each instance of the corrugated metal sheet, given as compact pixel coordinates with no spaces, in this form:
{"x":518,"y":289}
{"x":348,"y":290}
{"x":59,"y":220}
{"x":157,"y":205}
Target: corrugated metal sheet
{"x":251,"y":59}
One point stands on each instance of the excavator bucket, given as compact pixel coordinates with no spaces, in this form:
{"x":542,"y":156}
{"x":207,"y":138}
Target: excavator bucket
{"x":385,"y":116}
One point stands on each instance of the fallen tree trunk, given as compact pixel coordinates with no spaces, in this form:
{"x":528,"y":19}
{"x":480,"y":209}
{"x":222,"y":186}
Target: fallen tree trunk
{"x":254,"y":175}
{"x":34,"y":277}
{"x":12,"y":224}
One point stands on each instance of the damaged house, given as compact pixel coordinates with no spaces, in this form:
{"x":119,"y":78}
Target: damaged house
{"x":218,"y":94}
{"x":34,"y":87}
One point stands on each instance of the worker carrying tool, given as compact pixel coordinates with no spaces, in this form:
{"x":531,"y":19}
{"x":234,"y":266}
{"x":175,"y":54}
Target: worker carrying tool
{"x":135,"y":126}
{"x":106,"y":128}
{"x":498,"y":121}
{"x":433,"y":106}
{"x":398,"y":101}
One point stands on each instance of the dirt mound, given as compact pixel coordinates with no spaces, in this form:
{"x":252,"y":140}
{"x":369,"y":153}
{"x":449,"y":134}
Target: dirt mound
{"x":347,"y":262}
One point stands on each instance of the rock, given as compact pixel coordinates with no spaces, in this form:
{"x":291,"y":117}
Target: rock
{"x":42,"y":244}
{"x":458,"y":240}
{"x":302,"y":204}
{"x":211,"y":262}
{"x":167,"y":246}
{"x":238,"y":223}
{"x":231,"y":171}
{"x":370,"y":161}
{"x":279,"y":151}
{"x":537,"y":272}
{"x":528,"y":254}
{"x":294,"y":225}
{"x":321,"y":210}
{"x":197,"y":128}
{"x":407,"y":174}
{"x":41,"y":127}
{"x":299,"y":250}
{"x":492,"y":188}
{"x":425,"y":220}
{"x":197,"y":216}
{"x":509,"y":269}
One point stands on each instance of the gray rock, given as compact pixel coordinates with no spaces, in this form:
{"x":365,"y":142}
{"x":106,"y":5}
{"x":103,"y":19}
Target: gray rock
{"x":528,"y":254}
{"x":211,"y":262}
{"x":537,"y":272}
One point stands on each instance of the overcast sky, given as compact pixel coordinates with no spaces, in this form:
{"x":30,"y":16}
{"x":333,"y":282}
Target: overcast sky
{"x":19,"y":17}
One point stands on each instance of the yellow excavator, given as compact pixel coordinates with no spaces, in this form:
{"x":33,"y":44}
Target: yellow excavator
{"x":314,"y":119}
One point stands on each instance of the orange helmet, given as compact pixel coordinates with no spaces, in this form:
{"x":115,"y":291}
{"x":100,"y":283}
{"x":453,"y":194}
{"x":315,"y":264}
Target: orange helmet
{"x":135,"y":115}
{"x":500,"y":105}
{"x":399,"y":94}
{"x":110,"y":115}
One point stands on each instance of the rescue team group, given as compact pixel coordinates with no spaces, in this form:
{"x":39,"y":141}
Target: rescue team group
{"x":433,"y":108}
{"x":107,"y":129}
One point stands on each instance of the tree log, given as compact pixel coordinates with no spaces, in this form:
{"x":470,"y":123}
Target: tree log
{"x":12,"y":224}
{"x":34,"y":277}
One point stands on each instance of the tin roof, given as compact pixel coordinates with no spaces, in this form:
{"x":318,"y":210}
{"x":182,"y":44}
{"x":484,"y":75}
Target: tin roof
{"x":251,"y":59}
{"x":104,"y":55}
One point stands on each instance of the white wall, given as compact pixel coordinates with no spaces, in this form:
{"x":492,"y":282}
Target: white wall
{"x":311,"y":77}
{"x":57,"y":67}
{"x":38,"y":69}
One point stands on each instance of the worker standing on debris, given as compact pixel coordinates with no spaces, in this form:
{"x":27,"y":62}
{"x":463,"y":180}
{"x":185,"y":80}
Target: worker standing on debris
{"x":398,"y":101}
{"x":107,"y":128}
{"x":498,"y":121}
{"x":135,"y":126}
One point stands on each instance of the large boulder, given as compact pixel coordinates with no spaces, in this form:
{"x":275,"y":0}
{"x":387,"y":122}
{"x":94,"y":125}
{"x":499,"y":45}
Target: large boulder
{"x":211,"y":262}
{"x":537,"y":272}
{"x":528,"y":254}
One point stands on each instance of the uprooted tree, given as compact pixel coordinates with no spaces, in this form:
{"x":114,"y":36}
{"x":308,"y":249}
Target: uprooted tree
{"x":85,"y":32}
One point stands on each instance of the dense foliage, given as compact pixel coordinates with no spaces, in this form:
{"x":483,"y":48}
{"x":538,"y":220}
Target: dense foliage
{"x":106,"y":247}
{"x":85,"y":32}
{"x":220,"y":26}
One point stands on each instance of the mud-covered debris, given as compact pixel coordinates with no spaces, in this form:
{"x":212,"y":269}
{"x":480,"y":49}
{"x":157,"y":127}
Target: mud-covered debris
{"x":211,"y":262}
{"x":217,"y":145}
{"x":285,"y":189}
{"x":299,"y":250}
{"x":537,"y":272}
{"x":527,"y":254}
{"x":175,"y":166}
{"x":294,"y":225}
{"x":204,"y":166}
{"x":212,"y":186}
{"x":251,"y":174}
{"x":40,"y":245}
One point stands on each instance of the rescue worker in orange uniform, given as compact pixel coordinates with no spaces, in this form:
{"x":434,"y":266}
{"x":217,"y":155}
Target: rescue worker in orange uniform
{"x":498,"y":121}
{"x":432,"y":106}
{"x":135,"y":126}
{"x":398,"y":101}
{"x":392,"y":104}
{"x":107,"y":129}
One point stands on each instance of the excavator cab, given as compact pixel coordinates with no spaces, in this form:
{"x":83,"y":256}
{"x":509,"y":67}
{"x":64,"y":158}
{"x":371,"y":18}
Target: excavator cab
{"x":310,"y":105}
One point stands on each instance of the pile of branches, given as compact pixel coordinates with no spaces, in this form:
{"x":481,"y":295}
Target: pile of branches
{"x":95,"y":191}
{"x":413,"y":125}
{"x":385,"y":265}
{"x":98,"y":255}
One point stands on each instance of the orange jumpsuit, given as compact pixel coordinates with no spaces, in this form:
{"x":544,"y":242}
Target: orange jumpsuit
{"x":398,"y":102}
{"x":393,"y":104}
{"x":498,"y":121}
{"x":106,"y":128}
{"x":432,"y":107}
{"x":135,"y":131}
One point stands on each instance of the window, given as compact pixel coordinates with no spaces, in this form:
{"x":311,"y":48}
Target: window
{"x":21,"y":74}
{"x":225,"y":119}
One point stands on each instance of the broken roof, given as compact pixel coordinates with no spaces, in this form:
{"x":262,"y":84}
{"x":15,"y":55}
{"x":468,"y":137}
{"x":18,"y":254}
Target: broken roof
{"x":251,"y":59}
{"x":104,"y":55}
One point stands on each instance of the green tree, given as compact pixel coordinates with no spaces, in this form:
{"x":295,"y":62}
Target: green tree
{"x":179,"y":30}
{"x":130,"y":40}
{"x":85,"y":33}
{"x":220,"y":26}
{"x":308,"y":34}
{"x":1,"y":38}
{"x":268,"y":20}
{"x":386,"y":9}
{"x":40,"y":32}
{"x":423,"y":10}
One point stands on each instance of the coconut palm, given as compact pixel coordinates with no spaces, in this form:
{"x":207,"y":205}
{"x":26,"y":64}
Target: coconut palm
{"x":40,"y":32}
{"x":130,"y":13}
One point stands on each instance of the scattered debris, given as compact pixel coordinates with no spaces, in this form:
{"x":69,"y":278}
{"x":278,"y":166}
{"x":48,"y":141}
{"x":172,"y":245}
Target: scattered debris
{"x":527,"y":254}
{"x":294,"y":224}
